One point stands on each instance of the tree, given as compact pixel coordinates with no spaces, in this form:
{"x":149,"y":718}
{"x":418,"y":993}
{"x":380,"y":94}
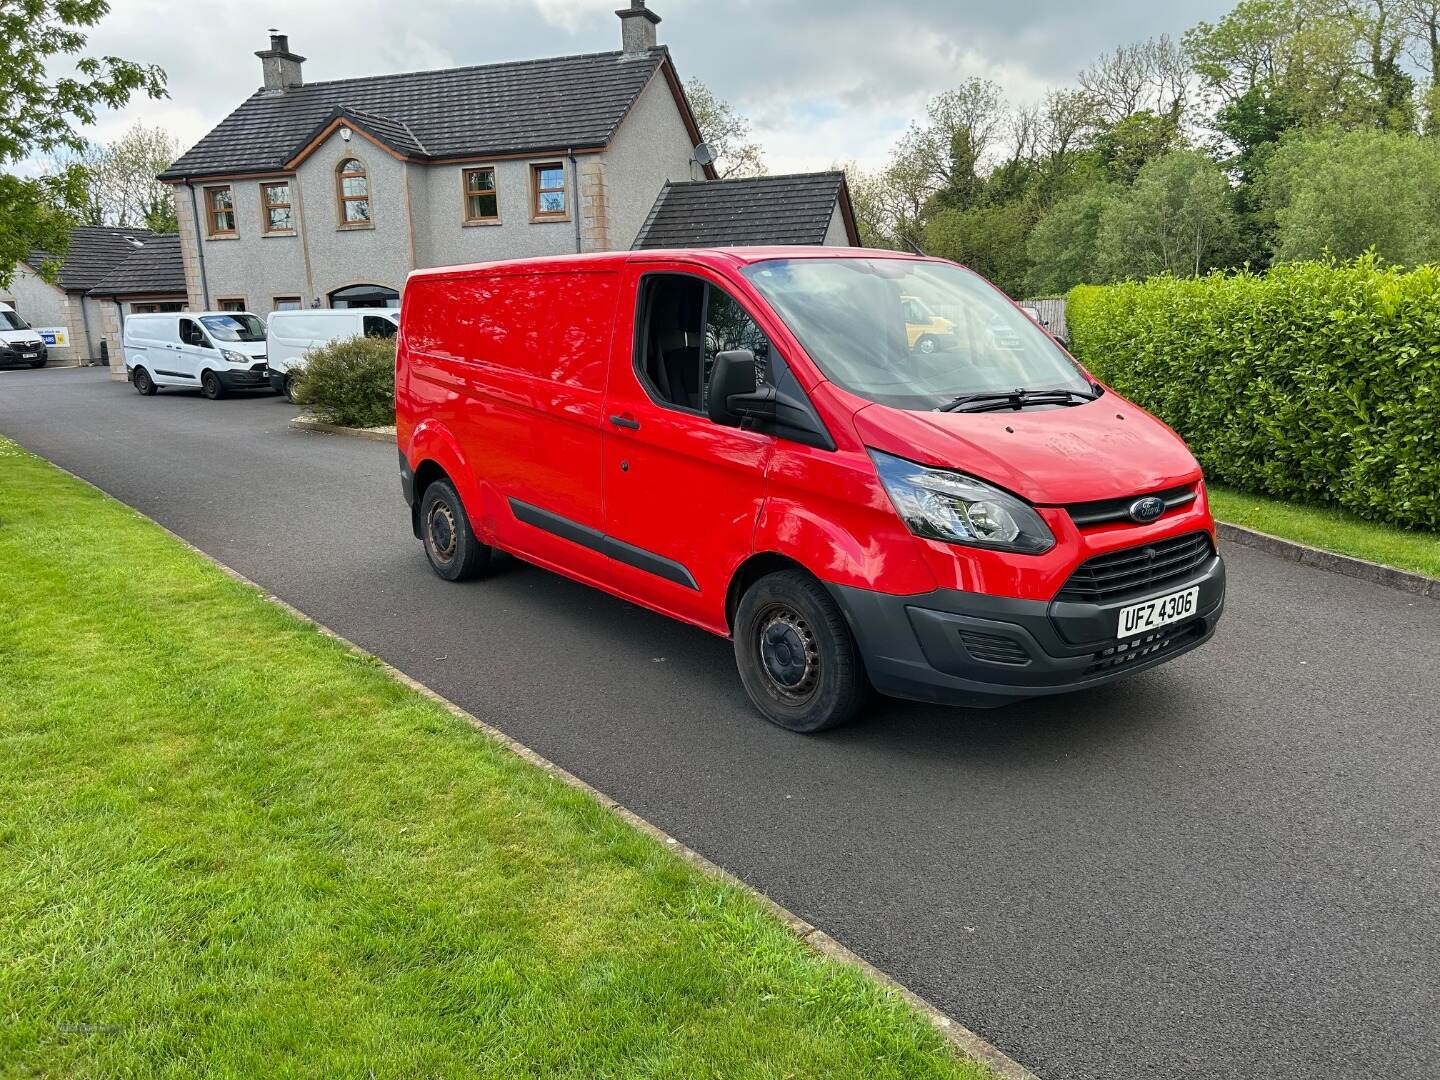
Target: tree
{"x":1062,"y":246}
{"x":1152,"y":76}
{"x":727,"y":132}
{"x":39,"y":114}
{"x":121,"y":188}
{"x":1347,"y":193}
{"x":1126,"y":146}
{"x":988,"y":239}
{"x":1177,"y":218}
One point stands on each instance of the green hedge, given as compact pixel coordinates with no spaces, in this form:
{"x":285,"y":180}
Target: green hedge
{"x":350,"y":381}
{"x":1318,"y":381}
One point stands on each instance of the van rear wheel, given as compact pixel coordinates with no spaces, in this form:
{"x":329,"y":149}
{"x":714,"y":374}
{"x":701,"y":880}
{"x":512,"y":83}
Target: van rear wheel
{"x":144,"y":385}
{"x":797,"y":658}
{"x":211,"y":386}
{"x":450,"y":544}
{"x":290,"y":389}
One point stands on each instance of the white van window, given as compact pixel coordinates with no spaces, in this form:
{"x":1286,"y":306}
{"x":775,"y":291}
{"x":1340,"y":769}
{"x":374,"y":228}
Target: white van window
{"x":377,"y":326}
{"x":10,"y":321}
{"x":191,"y":334}
{"x":234,"y":327}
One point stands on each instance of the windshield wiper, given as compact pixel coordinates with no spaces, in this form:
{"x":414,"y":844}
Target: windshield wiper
{"x":1015,"y":399}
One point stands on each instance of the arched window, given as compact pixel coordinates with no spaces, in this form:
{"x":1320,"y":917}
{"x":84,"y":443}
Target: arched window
{"x":353,"y":187}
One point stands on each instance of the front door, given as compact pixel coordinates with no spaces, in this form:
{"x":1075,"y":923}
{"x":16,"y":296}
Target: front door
{"x":195,"y":352}
{"x":681,"y":493}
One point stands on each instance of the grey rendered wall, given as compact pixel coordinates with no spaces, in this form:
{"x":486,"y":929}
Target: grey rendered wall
{"x":445,"y":240}
{"x":650,"y":147}
{"x":42,"y":304}
{"x":251,"y":266}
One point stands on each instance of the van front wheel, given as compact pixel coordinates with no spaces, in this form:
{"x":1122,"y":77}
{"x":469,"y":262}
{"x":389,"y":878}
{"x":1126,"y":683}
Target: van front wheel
{"x":211,"y":386}
{"x":797,"y":658}
{"x":144,"y":385}
{"x":450,"y":544}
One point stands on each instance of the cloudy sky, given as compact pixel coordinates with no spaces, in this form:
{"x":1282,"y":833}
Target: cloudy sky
{"x":822,"y":80}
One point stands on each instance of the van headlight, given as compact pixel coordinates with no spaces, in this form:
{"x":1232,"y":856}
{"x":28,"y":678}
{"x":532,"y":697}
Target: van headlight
{"x":234,"y":357}
{"x":942,"y":505}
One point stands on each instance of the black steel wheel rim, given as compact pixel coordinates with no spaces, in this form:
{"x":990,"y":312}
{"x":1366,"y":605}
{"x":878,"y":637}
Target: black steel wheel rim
{"x":443,"y":536}
{"x":788,"y":654}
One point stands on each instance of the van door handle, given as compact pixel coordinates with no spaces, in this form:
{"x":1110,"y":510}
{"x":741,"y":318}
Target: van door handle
{"x":625,"y":420}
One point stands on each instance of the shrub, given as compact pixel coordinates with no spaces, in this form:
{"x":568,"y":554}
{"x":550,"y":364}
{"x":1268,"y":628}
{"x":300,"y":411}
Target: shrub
{"x":1319,"y":381}
{"x":350,"y":381}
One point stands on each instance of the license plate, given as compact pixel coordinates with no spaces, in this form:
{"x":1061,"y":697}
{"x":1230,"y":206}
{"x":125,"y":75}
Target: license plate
{"x":1162,"y":611}
{"x":29,"y":356}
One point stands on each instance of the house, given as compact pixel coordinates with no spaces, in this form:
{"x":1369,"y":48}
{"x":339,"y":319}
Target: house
{"x":328,"y":194}
{"x":805,"y":208}
{"x":72,"y":312}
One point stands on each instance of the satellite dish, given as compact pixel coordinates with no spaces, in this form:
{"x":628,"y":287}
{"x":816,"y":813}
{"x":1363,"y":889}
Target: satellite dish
{"x":703,"y":156}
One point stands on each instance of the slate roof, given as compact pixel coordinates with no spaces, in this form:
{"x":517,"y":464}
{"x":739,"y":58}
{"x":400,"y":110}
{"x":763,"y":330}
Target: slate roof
{"x":513,"y":108}
{"x":762,"y":210}
{"x":94,"y":251}
{"x":155,"y":268}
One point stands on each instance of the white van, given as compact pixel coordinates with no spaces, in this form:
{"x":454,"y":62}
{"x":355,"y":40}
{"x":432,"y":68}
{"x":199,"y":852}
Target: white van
{"x":291,"y":333}
{"x":19,"y":344}
{"x":217,"y":351}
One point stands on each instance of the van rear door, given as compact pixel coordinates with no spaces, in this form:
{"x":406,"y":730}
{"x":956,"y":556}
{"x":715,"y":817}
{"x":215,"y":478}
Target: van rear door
{"x":682,"y":493}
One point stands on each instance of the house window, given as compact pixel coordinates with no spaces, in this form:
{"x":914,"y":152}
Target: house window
{"x":220,"y":210}
{"x":286,"y":303}
{"x":279,"y":217}
{"x":232,"y":304}
{"x":482,"y":200}
{"x":154,"y":308}
{"x":547,"y":183}
{"x":353,"y":186}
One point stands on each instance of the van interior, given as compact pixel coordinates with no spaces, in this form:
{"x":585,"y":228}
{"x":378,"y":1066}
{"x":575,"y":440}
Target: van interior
{"x":686,"y":322}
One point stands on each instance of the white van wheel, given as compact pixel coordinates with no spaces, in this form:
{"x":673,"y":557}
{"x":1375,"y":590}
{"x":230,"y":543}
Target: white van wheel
{"x":290,"y":388}
{"x":144,"y":385}
{"x":211,"y":386}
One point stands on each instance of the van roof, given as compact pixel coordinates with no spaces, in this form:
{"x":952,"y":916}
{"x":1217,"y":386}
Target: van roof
{"x":181,"y":314}
{"x":714,"y":257}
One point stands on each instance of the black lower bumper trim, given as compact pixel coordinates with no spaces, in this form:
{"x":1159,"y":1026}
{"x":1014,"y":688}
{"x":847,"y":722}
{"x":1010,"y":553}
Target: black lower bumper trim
{"x":983,"y":651}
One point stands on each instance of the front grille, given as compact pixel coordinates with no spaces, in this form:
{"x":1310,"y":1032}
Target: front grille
{"x":1134,"y":650}
{"x":1107,"y":510}
{"x":1137,"y":569}
{"x":994,"y":649}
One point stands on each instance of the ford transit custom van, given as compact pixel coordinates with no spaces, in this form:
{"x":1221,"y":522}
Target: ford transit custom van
{"x":289,"y":335}
{"x":747,"y":440}
{"x":216,"y":351}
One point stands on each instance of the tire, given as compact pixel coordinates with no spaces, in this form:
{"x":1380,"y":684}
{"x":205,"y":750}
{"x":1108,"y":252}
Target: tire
{"x":926,"y":345}
{"x":450,"y":544}
{"x":289,"y":390}
{"x":211,"y":386}
{"x":797,"y":658}
{"x":144,"y":384}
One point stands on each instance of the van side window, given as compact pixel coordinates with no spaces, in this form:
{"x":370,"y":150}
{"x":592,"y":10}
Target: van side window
{"x":686,"y":323}
{"x":378,"y":327}
{"x":191,"y":334}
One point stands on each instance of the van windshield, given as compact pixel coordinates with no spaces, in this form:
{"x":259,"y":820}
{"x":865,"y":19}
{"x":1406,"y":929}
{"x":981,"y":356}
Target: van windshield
{"x":911,"y":334}
{"x":10,"y":321}
{"x":244,"y":327}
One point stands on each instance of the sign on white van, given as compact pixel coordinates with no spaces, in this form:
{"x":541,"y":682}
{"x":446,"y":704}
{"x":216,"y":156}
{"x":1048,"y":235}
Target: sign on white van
{"x":56,"y":337}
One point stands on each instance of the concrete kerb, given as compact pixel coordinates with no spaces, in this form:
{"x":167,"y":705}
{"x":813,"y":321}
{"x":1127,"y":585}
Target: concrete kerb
{"x":1388,"y":576}
{"x":377,"y":434}
{"x":964,"y":1041}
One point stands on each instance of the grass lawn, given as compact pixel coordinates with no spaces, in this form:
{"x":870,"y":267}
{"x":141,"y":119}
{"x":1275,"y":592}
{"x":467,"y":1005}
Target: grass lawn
{"x":1329,"y":528}
{"x":230,"y":846}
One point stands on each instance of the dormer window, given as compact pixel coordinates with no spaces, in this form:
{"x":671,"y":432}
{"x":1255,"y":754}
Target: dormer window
{"x":353,"y":188}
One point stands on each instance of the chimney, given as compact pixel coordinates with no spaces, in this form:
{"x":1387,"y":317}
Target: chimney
{"x":637,"y":28}
{"x":280,"y":66}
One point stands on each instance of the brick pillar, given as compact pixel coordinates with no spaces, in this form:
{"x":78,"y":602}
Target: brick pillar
{"x":594,"y":207}
{"x":110,"y":332}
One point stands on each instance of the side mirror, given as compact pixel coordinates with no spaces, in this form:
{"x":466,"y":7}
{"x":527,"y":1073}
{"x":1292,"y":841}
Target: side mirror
{"x":732,"y":382}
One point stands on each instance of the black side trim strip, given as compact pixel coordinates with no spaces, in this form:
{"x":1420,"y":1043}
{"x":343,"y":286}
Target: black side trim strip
{"x":173,"y":374}
{"x":595,"y":540}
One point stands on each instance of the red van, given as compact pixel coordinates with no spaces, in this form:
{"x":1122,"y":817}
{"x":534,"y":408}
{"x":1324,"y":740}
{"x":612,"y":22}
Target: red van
{"x":747,"y":440}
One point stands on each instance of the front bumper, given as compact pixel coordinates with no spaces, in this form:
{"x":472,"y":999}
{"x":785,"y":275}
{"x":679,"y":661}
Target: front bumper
{"x":983,"y":651}
{"x":252,"y":378}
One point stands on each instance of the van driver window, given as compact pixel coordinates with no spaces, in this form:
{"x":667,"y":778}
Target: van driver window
{"x":191,"y":334}
{"x":377,"y":326}
{"x":686,"y":324}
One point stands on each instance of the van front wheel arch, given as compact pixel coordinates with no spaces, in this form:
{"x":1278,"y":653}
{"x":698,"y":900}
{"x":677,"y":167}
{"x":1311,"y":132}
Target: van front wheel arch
{"x":144,"y":384}
{"x":797,"y":659}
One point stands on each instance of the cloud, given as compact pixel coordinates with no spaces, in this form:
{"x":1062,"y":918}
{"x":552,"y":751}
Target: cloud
{"x":822,"y":80}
